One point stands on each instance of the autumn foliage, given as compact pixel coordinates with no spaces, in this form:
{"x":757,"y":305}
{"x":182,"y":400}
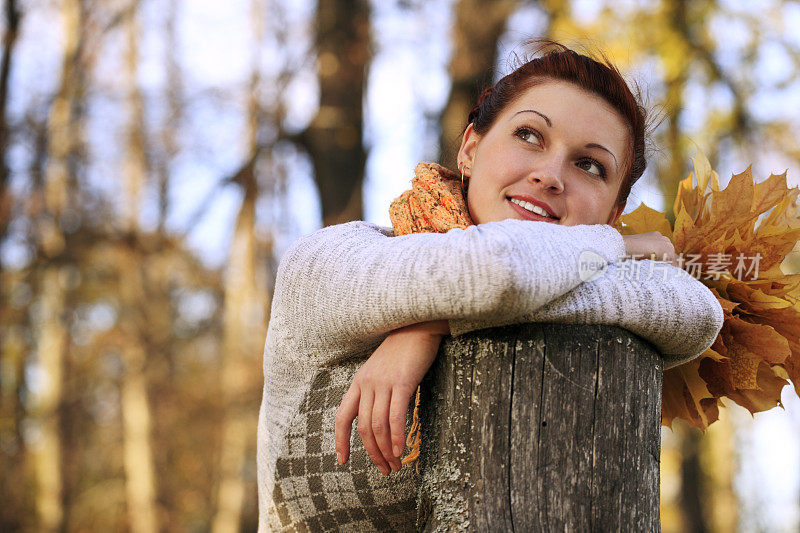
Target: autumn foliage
{"x":758,"y":348}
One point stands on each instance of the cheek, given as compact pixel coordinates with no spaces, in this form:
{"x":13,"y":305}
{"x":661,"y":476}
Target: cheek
{"x":586,"y":201}
{"x":474,"y":204}
{"x":481,"y":200}
{"x":498,"y":162}
{"x":511,"y":166}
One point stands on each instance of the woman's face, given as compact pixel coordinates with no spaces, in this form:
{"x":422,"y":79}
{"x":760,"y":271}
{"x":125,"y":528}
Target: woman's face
{"x":556,"y":146}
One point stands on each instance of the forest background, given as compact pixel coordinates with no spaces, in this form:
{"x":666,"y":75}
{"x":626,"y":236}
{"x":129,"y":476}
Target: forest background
{"x":157,"y":157}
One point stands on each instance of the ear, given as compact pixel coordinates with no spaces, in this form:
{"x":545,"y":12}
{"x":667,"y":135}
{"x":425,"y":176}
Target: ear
{"x":615,"y":213}
{"x":466,"y":154}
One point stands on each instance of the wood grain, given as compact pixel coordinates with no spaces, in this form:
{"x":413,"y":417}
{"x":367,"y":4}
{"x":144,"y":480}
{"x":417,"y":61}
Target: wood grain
{"x":541,"y":427}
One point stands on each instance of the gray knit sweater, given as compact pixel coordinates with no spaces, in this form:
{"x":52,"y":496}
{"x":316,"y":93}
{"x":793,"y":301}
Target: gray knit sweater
{"x":341,"y":290}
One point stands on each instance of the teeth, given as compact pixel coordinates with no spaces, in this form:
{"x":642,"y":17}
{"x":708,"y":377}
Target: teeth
{"x":532,"y":208}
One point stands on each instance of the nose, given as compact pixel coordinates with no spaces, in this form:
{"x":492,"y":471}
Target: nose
{"x":548,"y":173}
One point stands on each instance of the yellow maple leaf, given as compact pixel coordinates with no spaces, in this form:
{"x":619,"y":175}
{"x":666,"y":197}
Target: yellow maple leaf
{"x":644,"y":219}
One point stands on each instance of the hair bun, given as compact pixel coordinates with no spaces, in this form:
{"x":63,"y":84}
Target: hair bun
{"x":485,"y":94}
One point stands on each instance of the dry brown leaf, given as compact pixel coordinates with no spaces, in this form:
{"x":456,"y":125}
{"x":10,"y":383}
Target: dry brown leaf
{"x":683,"y":390}
{"x":758,"y":348}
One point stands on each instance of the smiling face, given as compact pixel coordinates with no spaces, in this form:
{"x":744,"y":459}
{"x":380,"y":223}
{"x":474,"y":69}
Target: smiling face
{"x":556,"y":146}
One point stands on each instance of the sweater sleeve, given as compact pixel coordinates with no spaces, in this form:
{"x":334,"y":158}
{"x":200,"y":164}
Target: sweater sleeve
{"x":351,"y":284}
{"x":659,"y":302}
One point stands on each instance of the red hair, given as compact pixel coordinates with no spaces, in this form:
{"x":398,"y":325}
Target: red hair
{"x":598,"y":77}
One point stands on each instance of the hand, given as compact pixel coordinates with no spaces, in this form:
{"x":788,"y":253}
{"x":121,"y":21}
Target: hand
{"x":647,"y":244}
{"x":381,"y":391}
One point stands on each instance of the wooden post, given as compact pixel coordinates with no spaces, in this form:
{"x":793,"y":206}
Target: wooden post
{"x":541,"y":427}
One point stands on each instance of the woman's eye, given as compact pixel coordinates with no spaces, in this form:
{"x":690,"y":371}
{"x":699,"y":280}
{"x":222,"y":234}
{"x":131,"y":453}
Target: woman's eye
{"x":528,"y":135}
{"x":587,"y":165}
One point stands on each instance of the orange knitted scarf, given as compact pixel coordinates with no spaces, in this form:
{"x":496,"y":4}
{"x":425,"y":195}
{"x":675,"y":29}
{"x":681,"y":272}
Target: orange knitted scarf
{"x":435,"y":204}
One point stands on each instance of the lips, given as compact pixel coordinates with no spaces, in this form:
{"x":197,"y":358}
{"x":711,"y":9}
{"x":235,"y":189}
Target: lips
{"x":534,"y":201}
{"x":527,"y":215}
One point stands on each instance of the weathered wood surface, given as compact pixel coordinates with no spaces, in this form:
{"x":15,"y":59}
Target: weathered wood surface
{"x":542,"y":427}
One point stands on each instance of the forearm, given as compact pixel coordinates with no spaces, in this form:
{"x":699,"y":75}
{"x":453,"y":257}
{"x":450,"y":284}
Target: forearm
{"x":434,"y":327}
{"x":669,"y":308}
{"x":351,"y":284}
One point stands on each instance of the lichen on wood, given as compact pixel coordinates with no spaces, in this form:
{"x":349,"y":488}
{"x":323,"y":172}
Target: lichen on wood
{"x":541,"y":426}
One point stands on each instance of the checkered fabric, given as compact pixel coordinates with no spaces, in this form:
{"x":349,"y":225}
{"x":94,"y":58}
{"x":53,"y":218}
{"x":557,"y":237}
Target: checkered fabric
{"x":313,"y":493}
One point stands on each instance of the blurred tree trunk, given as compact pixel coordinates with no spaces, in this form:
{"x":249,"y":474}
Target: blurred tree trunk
{"x":243,"y":334}
{"x":719,"y":460}
{"x":686,"y":43}
{"x":138,"y":454}
{"x":52,"y":338}
{"x":334,"y":137}
{"x":243,"y":320}
{"x":160,"y":328}
{"x":479,"y":25}
{"x":169,"y":131}
{"x":693,"y":486}
{"x":676,"y":73}
{"x":135,"y":165}
{"x":16,"y":510}
{"x":12,"y":17}
{"x":50,"y":354}
{"x":11,"y":345}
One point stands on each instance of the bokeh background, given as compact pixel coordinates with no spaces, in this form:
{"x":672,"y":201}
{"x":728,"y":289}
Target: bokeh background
{"x":157,"y":157}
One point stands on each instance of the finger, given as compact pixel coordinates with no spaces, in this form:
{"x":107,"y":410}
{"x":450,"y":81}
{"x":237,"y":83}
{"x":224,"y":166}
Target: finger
{"x":380,"y":427}
{"x":397,"y":418}
{"x":365,"y":430}
{"x":345,"y":415}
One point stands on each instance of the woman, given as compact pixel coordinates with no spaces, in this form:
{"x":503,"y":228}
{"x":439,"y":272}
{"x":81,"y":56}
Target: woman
{"x":550,"y":154}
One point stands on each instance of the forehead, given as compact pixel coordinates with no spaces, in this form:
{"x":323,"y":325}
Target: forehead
{"x":571,"y":108}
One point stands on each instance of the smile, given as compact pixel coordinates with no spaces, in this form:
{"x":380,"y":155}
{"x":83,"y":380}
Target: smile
{"x":530,"y":211}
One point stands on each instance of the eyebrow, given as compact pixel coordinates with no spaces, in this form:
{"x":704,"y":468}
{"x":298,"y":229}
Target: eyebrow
{"x":550,"y":125}
{"x":595,"y":145}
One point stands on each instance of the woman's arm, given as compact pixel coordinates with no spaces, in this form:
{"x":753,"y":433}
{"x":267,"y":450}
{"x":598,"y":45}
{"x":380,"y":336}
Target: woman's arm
{"x":380,"y":392}
{"x":659,"y":302}
{"x":349,"y":285}
{"x":434,"y":327}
